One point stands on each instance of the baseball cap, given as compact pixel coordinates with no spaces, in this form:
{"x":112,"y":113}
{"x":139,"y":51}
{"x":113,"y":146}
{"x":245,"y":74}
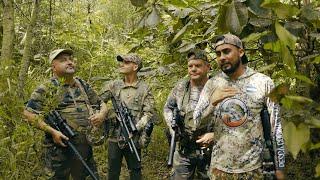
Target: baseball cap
{"x":228,"y":39}
{"x":132,"y":58}
{"x":55,"y":53}
{"x":197,"y":54}
{"x":233,"y":40}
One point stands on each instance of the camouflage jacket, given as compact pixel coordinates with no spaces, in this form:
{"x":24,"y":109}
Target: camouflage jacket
{"x":237,"y":123}
{"x":181,"y":93}
{"x":69,"y":101}
{"x":138,"y":99}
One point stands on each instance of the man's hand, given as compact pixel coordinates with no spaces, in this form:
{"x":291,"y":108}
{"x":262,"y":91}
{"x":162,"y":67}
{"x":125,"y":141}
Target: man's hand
{"x":221,"y":93}
{"x":206,"y":139}
{"x":58,"y":138}
{"x":97,"y":119}
{"x":279,"y":175}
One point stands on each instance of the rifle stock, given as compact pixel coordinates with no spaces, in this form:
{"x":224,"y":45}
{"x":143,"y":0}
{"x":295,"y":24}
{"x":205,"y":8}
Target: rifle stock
{"x":60,"y":124}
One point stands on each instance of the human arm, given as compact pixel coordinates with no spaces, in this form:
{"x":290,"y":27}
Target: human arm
{"x":148,"y":111}
{"x":276,"y":133}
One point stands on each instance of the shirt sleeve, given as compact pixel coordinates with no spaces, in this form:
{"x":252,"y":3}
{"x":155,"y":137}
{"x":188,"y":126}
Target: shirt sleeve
{"x":204,"y":109}
{"x":149,"y":113}
{"x":276,"y":129}
{"x":167,"y":112}
{"x":36,"y":102}
{"x":106,"y":92}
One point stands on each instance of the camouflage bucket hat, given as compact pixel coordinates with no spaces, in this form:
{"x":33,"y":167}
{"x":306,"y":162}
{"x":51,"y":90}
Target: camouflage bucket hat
{"x":132,"y":58}
{"x":55,"y":53}
{"x":197,"y":54}
{"x":229,"y":39}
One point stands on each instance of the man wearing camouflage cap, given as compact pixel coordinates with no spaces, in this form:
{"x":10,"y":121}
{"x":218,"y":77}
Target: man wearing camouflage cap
{"x":235,"y":98}
{"x":191,"y":159}
{"x":73,"y":99}
{"x":137,"y":96}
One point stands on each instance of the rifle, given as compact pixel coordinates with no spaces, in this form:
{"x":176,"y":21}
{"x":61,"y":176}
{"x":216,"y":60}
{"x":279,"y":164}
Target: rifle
{"x":61,"y":125}
{"x":268,"y":165}
{"x":128,"y":128}
{"x":176,"y":125}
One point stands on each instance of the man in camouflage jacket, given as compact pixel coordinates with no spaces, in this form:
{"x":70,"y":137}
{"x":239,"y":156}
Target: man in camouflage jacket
{"x":73,"y":99}
{"x":137,"y":96}
{"x":189,"y":157}
{"x":235,"y":98}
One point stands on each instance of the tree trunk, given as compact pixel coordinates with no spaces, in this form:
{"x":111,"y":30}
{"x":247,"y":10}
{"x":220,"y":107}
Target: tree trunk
{"x":27,"y":48}
{"x":8,"y":32}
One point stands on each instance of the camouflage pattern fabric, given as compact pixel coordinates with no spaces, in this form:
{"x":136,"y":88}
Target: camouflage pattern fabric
{"x":237,"y":124}
{"x":188,"y":160}
{"x":69,"y":101}
{"x":251,"y":175}
{"x":140,"y":102}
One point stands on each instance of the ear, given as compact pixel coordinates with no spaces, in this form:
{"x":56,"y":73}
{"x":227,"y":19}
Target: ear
{"x":241,"y":52}
{"x":135,"y":67}
{"x":208,"y":66}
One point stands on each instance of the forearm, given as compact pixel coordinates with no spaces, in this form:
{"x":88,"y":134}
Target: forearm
{"x":37,"y":121}
{"x":279,"y":141}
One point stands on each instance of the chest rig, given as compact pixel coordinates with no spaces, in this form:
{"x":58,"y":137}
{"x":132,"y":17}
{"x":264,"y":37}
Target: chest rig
{"x":135,"y":104}
{"x":74,"y":105}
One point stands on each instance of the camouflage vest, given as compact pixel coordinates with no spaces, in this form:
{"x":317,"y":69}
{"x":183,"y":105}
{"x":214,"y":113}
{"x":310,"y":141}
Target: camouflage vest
{"x":77,"y":111}
{"x":187,"y":112}
{"x":135,"y":105}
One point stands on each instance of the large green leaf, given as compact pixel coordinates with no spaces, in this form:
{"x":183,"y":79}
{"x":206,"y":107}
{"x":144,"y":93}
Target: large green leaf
{"x":282,"y":10}
{"x":300,"y":99}
{"x":295,"y":137}
{"x":285,"y":36}
{"x":180,"y":33}
{"x":318,"y":170}
{"x":254,"y":36}
{"x":315,"y":146}
{"x":178,"y":3}
{"x":273,"y":46}
{"x":254,"y":6}
{"x":309,"y":12}
{"x":233,"y":17}
{"x":260,"y":22}
{"x":313,"y":121}
{"x":138,"y":3}
{"x":316,"y":60}
{"x":303,"y":78}
{"x":153,"y":18}
{"x":185,"y":46}
{"x":287,"y":58}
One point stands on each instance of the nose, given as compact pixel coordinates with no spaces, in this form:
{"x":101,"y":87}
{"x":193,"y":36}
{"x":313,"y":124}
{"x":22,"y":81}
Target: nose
{"x":70,"y":61}
{"x":222,"y":57}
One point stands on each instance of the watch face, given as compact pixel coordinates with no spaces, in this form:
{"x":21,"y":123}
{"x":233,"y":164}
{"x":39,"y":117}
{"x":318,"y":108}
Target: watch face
{"x":233,"y":112}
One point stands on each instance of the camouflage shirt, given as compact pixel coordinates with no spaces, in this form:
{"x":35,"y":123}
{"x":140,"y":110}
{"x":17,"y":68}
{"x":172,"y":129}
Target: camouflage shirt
{"x":237,"y":123}
{"x":138,"y":99}
{"x":69,"y":101}
{"x":187,"y":99}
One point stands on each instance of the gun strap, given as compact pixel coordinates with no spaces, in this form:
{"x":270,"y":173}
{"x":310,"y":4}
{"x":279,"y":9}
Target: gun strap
{"x":86,"y":98}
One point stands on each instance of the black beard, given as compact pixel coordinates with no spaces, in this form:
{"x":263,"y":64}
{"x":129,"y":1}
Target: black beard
{"x":232,"y":69}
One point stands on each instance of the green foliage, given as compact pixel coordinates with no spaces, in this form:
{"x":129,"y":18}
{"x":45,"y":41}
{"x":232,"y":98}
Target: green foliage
{"x":281,"y":37}
{"x":301,"y":136}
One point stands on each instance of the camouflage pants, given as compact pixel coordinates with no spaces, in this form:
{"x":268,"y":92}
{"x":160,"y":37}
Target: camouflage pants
{"x":62,"y":162}
{"x":189,"y":167}
{"x":115,"y":156}
{"x":251,"y":175}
